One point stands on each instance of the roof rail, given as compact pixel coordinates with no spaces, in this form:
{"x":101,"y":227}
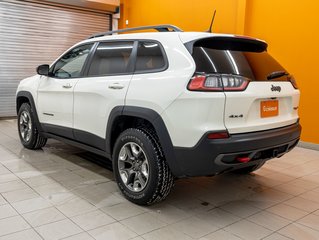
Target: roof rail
{"x":160,"y":28}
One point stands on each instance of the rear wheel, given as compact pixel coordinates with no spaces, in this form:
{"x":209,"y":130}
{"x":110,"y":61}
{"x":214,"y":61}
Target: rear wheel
{"x":250,"y":169}
{"x":28,"y":132}
{"x":140,"y":168}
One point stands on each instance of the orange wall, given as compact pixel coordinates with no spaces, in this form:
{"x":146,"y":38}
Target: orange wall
{"x":291,"y":29}
{"x":187,"y":15}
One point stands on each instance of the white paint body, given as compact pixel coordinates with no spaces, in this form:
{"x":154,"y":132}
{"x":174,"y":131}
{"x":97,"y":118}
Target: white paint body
{"x":86,"y":105}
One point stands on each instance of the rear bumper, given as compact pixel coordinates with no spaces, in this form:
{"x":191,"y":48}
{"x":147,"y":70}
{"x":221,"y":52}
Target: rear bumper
{"x":210,"y":157}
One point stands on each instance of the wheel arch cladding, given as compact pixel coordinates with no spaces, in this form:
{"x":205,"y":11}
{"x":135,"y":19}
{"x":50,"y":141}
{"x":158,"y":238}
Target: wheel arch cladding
{"x":157,"y":123}
{"x":26,"y":97}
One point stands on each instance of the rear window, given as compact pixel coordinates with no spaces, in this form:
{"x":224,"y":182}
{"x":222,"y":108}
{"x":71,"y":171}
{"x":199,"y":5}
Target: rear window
{"x":254,"y":65}
{"x":150,"y":57}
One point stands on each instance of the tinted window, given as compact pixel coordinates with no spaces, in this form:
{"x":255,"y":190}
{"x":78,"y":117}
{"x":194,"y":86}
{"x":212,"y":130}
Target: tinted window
{"x":71,"y":64}
{"x":149,"y":57}
{"x":254,"y":65}
{"x":111,"y":58}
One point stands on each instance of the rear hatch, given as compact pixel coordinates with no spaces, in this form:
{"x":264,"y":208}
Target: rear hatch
{"x":260,"y":94}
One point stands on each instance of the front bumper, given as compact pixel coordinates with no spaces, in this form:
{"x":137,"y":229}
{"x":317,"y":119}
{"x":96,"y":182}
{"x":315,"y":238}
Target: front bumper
{"x":211,"y":157}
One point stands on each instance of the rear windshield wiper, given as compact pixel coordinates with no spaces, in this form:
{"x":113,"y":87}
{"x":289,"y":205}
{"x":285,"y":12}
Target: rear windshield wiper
{"x":277,"y":74}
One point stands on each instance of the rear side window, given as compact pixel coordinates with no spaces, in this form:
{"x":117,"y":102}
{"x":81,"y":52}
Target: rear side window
{"x":150,"y":57}
{"x":111,"y":58}
{"x":244,"y":62}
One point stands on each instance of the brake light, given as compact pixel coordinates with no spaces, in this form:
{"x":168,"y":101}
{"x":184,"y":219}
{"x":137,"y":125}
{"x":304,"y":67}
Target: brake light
{"x":293,"y":81}
{"x":217,"y":82}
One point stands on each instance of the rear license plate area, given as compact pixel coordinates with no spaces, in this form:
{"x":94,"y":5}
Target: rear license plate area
{"x":269,"y":108}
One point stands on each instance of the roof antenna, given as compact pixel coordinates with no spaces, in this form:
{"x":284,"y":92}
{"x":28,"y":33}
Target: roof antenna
{"x":211,"y":23}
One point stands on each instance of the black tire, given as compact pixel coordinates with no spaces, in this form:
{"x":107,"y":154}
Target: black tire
{"x":250,"y":169}
{"x":35,"y":140}
{"x":160,"y":179}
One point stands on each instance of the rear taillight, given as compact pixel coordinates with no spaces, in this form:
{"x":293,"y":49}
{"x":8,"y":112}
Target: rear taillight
{"x":218,"y":135}
{"x":293,"y":81}
{"x":217,"y":82}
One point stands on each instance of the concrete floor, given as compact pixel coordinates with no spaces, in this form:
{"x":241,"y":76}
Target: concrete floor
{"x":61,"y":192}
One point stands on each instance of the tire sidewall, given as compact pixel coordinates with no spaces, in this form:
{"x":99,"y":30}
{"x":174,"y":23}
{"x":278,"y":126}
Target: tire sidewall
{"x":140,"y":138}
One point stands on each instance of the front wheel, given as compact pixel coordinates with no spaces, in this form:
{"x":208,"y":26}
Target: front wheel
{"x":140,"y":169}
{"x":28,"y":132}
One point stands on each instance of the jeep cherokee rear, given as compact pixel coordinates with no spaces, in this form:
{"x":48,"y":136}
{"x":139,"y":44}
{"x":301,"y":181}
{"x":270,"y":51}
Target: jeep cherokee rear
{"x":164,"y":105}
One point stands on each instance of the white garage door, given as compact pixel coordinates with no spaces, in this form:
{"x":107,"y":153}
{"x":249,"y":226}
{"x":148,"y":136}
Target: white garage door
{"x":35,"y":33}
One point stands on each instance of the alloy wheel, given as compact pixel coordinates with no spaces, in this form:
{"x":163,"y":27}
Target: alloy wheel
{"x":25,"y":126}
{"x":133,"y":167}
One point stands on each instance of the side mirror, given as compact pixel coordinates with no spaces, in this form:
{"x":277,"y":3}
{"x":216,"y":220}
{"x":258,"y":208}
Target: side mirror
{"x":43,"y":70}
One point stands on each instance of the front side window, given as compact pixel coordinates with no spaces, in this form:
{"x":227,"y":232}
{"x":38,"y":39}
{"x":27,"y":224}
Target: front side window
{"x":71,"y":64}
{"x":111,"y":58}
{"x":149,"y":57}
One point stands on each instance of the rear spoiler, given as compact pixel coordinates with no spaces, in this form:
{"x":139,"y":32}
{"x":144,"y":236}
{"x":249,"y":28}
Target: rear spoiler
{"x":237,"y":43}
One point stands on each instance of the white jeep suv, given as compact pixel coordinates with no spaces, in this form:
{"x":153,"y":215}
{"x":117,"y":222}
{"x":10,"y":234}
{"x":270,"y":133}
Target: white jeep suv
{"x":164,"y":105}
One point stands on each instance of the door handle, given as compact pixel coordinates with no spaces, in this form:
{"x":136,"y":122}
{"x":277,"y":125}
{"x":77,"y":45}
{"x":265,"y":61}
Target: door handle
{"x":68,"y":85}
{"x":116,"y":86}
